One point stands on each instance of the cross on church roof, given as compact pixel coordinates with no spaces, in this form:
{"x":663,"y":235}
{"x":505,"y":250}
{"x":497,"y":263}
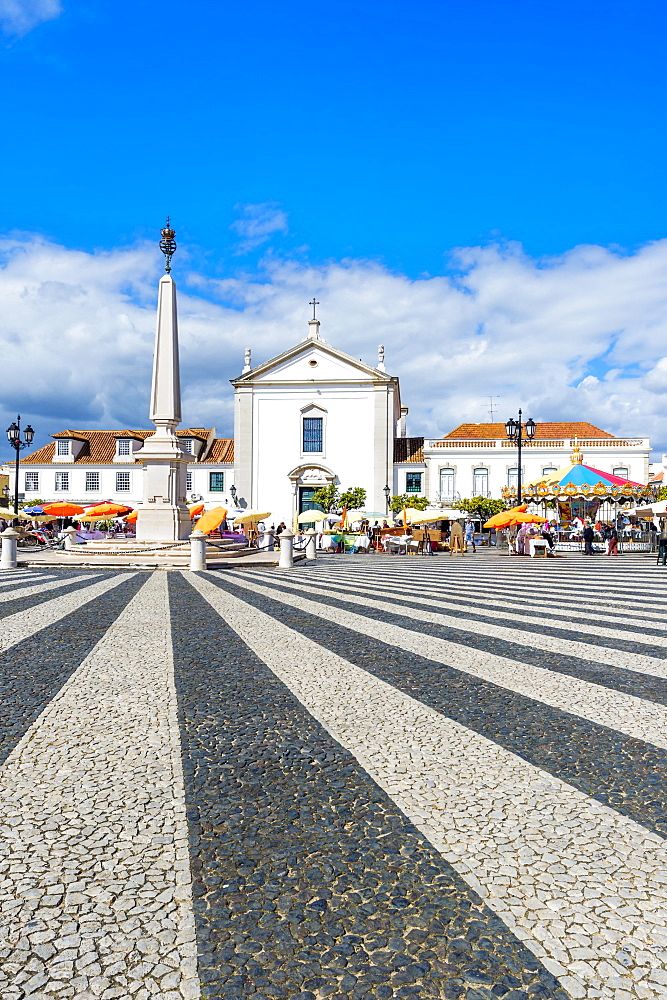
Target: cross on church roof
{"x":314,"y":303}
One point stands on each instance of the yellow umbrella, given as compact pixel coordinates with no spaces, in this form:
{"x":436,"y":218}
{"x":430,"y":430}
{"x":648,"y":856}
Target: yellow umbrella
{"x":211,"y":520}
{"x":424,"y":516}
{"x":308,"y":516}
{"x":252,"y":515}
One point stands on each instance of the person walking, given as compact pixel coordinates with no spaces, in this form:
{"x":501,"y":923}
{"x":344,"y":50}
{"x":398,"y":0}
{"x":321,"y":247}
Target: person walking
{"x":469,"y":534}
{"x":588,"y":535}
{"x":662,"y":544}
{"x":612,"y":541}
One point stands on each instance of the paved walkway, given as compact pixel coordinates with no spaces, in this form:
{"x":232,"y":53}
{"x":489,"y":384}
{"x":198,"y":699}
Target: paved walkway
{"x":371,"y":777}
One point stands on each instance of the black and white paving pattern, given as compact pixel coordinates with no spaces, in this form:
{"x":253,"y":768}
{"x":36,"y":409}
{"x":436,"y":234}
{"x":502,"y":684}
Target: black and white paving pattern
{"x":366,"y":778}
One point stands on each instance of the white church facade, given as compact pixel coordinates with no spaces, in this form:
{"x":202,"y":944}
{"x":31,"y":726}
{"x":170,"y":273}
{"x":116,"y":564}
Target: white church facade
{"x":309,"y":417}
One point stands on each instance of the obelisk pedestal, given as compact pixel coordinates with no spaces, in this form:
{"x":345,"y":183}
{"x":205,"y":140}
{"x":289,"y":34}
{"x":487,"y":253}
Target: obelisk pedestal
{"x":164,"y":515}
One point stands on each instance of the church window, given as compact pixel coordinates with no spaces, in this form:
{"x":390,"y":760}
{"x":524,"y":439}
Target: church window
{"x":63,"y":447}
{"x":413,"y":482}
{"x":124,"y":447}
{"x":621,"y":472}
{"x":92,"y":482}
{"x":216,"y":482}
{"x":312,"y":433}
{"x":31,"y":482}
{"x":480,"y":482}
{"x":122,"y":482}
{"x":62,"y":481}
{"x":446,"y":484}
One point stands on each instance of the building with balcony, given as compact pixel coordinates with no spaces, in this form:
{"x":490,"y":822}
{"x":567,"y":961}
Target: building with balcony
{"x":479,"y":460}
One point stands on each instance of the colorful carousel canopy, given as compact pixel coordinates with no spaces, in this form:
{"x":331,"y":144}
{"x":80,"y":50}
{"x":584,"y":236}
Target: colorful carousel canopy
{"x":583,"y":482}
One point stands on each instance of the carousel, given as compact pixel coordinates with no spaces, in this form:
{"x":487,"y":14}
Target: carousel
{"x":580,"y":492}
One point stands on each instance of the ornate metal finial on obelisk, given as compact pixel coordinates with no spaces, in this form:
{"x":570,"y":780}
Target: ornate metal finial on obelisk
{"x":168,"y":244}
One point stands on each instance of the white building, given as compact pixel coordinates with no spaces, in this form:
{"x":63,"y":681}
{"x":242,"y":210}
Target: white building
{"x":479,"y":460}
{"x":87,"y":467}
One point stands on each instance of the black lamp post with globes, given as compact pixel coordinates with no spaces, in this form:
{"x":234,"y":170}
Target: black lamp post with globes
{"x":515,"y":431}
{"x":14,"y":436}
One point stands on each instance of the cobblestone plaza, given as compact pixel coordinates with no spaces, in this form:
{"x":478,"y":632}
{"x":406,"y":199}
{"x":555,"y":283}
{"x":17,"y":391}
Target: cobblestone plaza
{"x":370,"y":777}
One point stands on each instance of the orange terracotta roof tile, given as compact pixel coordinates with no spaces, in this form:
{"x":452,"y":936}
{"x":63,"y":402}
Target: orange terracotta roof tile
{"x":409,"y":449}
{"x":99,"y":447}
{"x":547,"y":429}
{"x":222,"y":450}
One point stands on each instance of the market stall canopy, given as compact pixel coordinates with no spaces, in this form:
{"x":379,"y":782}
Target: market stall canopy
{"x":196,"y":510}
{"x":657,"y":509}
{"x":211,"y":520}
{"x":430,"y":514}
{"x":62,"y":509}
{"x":37,"y":509}
{"x":132,"y":518}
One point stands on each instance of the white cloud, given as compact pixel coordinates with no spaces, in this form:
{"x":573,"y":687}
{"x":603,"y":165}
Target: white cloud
{"x":257,"y":225}
{"x":578,"y":337}
{"x":18,"y":17}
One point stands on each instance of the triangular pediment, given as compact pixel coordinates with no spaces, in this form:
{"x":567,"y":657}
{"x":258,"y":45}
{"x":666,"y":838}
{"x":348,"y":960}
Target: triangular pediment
{"x":312,"y":361}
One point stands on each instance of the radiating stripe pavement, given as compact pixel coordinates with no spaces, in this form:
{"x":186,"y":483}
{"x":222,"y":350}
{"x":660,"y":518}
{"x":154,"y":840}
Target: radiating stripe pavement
{"x":361,"y":779}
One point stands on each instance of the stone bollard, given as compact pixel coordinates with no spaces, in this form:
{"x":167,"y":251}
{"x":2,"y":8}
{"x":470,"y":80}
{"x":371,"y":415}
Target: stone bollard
{"x":70,"y":537}
{"x":311,"y":548}
{"x":267,"y":540}
{"x":198,"y":551}
{"x":8,"y":559}
{"x":286,"y":560}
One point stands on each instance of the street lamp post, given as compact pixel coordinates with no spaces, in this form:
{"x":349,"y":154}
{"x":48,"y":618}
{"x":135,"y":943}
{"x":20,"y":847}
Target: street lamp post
{"x":232,"y":490}
{"x":515,"y":429}
{"x":14,"y":436}
{"x":387,"y":493}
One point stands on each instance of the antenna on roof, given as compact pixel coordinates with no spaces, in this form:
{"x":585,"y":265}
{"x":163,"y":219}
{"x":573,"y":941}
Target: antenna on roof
{"x":492,"y":406}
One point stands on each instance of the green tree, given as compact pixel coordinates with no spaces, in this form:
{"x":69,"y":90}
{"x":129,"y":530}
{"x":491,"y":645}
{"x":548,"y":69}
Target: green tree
{"x":662,"y":493}
{"x":332,"y":501}
{"x":482,"y":507}
{"x":401,"y":500}
{"x":353,"y":498}
{"x":327,"y":497}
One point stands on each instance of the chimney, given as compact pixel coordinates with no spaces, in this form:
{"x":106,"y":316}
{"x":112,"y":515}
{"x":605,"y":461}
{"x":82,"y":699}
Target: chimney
{"x":401,"y":422}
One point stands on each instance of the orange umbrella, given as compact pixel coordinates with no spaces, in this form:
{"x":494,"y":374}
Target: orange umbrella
{"x":132,"y":518}
{"x":196,"y":509}
{"x":211,"y":519}
{"x":62,"y":509}
{"x":502,"y":519}
{"x":106,"y":509}
{"x":527,"y":519}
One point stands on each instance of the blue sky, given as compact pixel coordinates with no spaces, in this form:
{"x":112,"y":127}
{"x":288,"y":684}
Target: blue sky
{"x":347,"y":149}
{"x":386,"y":130}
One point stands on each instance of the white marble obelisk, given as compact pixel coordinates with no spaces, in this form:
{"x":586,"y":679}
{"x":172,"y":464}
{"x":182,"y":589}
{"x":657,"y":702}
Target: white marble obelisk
{"x":164,"y":515}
